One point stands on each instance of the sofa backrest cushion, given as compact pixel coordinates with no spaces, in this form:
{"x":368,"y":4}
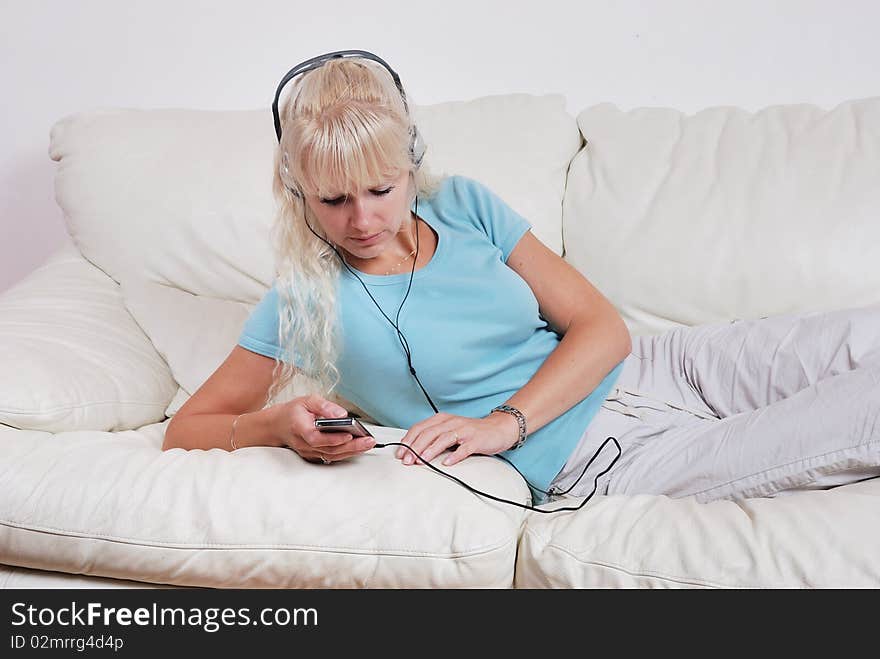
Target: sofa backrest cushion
{"x":183,"y":197}
{"x":194,"y":334}
{"x":688,"y":219}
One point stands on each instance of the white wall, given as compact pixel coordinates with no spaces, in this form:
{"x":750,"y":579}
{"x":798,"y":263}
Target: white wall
{"x":64,"y":56}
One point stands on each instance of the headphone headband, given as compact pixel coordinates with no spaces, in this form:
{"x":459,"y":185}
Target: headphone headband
{"x":416,"y":147}
{"x":315,"y":62}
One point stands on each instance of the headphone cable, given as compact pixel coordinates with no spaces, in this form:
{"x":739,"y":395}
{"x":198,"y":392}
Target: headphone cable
{"x":515,"y":503}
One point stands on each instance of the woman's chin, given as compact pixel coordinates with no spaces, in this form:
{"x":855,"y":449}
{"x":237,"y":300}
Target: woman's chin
{"x":362,"y":255}
{"x":365,"y":253}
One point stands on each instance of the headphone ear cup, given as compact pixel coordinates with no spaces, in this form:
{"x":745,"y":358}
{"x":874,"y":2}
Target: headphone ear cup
{"x":417,"y":147}
{"x":284,"y":170}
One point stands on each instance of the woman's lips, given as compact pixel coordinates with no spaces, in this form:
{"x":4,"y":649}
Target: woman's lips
{"x":369,"y":240}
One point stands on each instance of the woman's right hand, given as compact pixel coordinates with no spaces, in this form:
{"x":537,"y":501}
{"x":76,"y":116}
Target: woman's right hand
{"x":296,"y":423}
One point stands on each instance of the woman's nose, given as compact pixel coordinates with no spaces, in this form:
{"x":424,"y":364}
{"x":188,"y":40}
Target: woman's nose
{"x":358,"y":211}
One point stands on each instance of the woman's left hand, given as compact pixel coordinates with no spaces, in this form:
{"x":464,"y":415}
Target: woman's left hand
{"x":429,"y":438}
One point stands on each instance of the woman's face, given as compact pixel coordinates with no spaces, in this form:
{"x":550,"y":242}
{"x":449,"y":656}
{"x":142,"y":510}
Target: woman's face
{"x":366,"y":224}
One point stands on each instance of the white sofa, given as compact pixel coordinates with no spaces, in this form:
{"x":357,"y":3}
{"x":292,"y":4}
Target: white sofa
{"x":679,"y":219}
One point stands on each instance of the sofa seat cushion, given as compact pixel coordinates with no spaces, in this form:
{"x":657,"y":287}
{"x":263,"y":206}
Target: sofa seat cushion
{"x":810,"y":539}
{"x":115,"y":505}
{"x":72,"y":357}
{"x":687,"y":219}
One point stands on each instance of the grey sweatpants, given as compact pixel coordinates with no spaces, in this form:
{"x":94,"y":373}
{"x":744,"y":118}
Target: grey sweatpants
{"x":751,"y":408}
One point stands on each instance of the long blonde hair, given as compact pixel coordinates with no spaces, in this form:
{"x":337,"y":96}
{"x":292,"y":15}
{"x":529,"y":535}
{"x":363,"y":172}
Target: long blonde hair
{"x":344,"y":128}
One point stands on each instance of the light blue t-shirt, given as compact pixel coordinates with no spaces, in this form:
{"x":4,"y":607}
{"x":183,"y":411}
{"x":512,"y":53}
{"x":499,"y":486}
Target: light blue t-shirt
{"x":471,"y":322}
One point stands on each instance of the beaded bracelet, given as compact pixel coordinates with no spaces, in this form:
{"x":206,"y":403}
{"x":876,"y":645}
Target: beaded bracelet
{"x":520,"y":419}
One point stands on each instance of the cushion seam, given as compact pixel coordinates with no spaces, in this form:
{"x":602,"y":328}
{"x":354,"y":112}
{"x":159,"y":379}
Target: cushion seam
{"x":48,"y":410}
{"x":226,"y":546}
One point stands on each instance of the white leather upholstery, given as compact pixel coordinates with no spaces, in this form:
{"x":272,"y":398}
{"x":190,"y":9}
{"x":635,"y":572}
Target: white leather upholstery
{"x":72,"y":357}
{"x":826,"y":539}
{"x":192,"y":333}
{"x":688,"y":219}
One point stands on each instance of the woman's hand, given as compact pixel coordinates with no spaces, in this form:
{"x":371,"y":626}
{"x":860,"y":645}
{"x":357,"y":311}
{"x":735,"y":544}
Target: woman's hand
{"x":295,"y":421}
{"x":429,"y":438}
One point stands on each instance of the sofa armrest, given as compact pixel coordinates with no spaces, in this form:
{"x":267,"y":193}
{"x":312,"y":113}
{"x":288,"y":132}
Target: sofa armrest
{"x":73,"y":358}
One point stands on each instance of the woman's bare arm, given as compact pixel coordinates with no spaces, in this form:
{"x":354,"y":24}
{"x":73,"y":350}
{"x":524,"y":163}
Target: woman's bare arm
{"x":240,"y":384}
{"x":595,"y":338}
{"x":239,"y":389}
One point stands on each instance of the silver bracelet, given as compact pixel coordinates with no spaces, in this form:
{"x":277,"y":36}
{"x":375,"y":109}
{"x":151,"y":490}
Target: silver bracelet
{"x":520,"y":419}
{"x":232,"y":432}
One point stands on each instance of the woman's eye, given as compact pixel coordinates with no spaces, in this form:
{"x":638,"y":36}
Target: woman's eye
{"x":338,"y":200}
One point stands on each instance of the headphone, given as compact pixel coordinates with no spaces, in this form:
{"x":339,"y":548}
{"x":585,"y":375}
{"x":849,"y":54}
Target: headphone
{"x":417,"y":150}
{"x":417,"y":145}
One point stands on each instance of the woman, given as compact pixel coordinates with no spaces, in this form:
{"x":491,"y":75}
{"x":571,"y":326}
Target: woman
{"x":431,"y":306}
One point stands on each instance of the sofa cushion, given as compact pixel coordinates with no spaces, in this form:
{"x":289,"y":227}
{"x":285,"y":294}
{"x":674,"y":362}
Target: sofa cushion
{"x":72,"y":357}
{"x":183,"y":197}
{"x":194,"y":334}
{"x":115,"y":505}
{"x":518,"y":145}
{"x":818,"y":539}
{"x":689,"y":219}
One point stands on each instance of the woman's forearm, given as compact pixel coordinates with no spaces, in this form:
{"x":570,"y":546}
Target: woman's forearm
{"x":207,"y":431}
{"x":589,"y":350}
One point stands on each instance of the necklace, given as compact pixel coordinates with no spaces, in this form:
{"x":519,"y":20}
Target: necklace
{"x":403,"y":260}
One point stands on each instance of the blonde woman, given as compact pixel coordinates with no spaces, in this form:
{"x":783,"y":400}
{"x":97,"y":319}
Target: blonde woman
{"x":429,"y":305}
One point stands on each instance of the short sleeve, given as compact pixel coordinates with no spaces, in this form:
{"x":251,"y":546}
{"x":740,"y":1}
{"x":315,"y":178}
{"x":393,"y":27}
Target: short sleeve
{"x":260,"y":331}
{"x":503,"y":225}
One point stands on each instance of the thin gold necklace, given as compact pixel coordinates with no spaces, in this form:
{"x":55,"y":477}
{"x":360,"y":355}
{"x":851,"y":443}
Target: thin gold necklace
{"x":405,"y":258}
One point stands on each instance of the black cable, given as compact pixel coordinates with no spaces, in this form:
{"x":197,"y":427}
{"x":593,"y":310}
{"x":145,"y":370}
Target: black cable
{"x":515,"y":503}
